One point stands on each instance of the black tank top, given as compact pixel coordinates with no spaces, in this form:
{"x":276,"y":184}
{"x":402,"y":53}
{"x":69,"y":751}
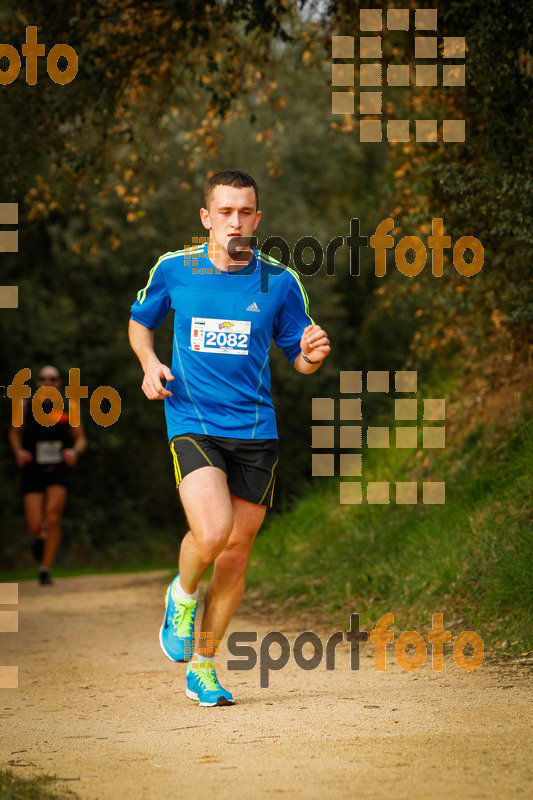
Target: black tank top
{"x":46,"y":443}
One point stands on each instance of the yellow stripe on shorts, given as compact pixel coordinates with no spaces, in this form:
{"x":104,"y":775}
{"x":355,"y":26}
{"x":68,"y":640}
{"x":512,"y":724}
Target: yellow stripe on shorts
{"x":177,"y":471}
{"x":270,"y":482}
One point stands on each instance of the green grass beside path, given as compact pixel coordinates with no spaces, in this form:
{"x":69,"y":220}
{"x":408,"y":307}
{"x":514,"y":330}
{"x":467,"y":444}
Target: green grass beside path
{"x":470,"y":558}
{"x":39,"y":787}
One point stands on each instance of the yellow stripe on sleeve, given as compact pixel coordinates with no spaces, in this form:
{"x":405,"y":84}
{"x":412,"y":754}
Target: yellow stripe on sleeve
{"x":141,"y":295}
{"x":304,"y":293}
{"x":266,"y":259}
{"x":192,"y":251}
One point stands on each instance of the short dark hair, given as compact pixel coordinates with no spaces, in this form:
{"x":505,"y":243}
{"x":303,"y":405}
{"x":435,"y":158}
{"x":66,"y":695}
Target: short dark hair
{"x":230,"y":177}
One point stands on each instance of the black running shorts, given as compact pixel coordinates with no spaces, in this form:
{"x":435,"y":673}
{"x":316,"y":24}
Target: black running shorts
{"x":250,"y":464}
{"x":37,"y":479}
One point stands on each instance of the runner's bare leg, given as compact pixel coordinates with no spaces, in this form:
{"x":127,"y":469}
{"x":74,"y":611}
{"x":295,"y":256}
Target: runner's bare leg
{"x":34,"y":511}
{"x":207,"y":503}
{"x":54,"y":503}
{"x":226,"y":586}
{"x":223,"y":529}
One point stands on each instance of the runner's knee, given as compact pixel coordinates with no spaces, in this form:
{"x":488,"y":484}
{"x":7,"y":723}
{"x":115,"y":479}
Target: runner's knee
{"x":53,"y":518}
{"x":34,"y":527}
{"x":213,"y":541}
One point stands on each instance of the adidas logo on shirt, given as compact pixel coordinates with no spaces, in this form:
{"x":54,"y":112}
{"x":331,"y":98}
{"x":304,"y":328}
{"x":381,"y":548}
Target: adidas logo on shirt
{"x":253,"y":307}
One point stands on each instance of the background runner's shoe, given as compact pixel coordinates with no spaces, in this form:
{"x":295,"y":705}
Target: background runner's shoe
{"x":203,"y":685}
{"x":176,"y":636}
{"x":44,"y":577}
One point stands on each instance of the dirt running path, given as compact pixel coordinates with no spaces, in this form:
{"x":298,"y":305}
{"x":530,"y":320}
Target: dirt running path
{"x":101,"y":707}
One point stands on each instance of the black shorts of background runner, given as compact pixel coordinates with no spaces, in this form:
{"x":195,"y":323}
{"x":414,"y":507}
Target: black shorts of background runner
{"x":250,"y":464}
{"x":36,"y":478}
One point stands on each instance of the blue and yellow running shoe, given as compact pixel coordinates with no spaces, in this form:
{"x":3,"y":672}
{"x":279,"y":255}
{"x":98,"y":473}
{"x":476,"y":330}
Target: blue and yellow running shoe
{"x":203,"y":685}
{"x":177,"y":631}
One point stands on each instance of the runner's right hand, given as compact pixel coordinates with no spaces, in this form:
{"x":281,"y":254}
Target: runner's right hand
{"x":23,"y":457}
{"x":151,"y":385}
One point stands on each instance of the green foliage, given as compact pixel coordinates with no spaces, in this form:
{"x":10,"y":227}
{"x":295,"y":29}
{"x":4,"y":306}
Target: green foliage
{"x":39,"y":787}
{"x":131,"y":57}
{"x":470,"y":558}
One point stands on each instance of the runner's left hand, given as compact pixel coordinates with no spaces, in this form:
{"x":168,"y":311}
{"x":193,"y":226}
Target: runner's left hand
{"x":70,"y":456}
{"x":315,"y":343}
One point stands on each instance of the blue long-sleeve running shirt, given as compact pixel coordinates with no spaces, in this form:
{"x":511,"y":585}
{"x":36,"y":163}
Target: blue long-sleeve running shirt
{"x":223,"y":327}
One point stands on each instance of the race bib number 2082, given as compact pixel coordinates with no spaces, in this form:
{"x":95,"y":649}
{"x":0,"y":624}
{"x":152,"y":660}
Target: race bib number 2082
{"x":220,"y":336}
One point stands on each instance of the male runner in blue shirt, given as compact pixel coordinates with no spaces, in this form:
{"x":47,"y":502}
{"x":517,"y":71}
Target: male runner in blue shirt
{"x":220,"y":417}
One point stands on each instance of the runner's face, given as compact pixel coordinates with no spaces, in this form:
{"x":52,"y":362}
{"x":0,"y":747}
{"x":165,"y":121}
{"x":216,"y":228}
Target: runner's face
{"x":49,"y":377}
{"x":231,"y":212}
